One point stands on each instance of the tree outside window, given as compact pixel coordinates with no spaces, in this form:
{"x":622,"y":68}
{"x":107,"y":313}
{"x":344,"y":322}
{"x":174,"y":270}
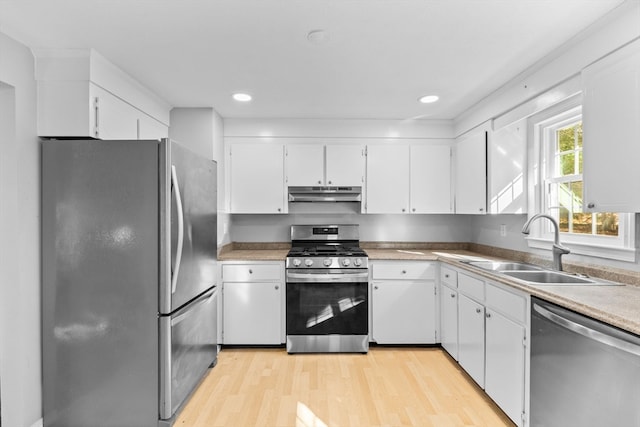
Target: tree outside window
{"x":565,"y":185}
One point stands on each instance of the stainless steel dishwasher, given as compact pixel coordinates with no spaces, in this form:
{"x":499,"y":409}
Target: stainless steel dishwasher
{"x":583,"y":372}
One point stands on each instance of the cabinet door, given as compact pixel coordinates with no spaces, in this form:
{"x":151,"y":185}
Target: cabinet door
{"x":471,"y":338}
{"x":257,"y":178}
{"x":403,"y":312}
{"x":387,"y":179}
{"x":611,"y":107}
{"x":345,"y":165}
{"x":505,"y":361}
{"x":305,"y":165}
{"x":471,"y":173}
{"x":449,"y":320}
{"x":507,"y":150}
{"x":115,"y":119}
{"x":431,"y":179}
{"x":252,"y":313}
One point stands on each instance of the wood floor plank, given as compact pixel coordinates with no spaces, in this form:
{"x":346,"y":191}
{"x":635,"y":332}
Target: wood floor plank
{"x":386,"y":387}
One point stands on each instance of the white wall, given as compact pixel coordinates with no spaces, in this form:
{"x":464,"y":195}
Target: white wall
{"x":20,"y":329}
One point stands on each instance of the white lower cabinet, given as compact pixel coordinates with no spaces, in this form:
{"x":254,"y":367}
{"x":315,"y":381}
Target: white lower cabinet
{"x":471,"y":338}
{"x":492,"y":336}
{"x":252,"y":304}
{"x":403,"y":302}
{"x":505,"y":359}
{"x":449,"y":311}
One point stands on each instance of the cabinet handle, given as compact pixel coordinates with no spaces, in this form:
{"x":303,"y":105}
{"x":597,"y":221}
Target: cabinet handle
{"x":453,"y":295}
{"x":319,"y":182}
{"x":404,"y":271}
{"x":329,"y":182}
{"x":250,"y":271}
{"x":591,"y":205}
{"x":488,"y":315}
{"x":279,"y":209}
{"x":277,"y":287}
{"x":375,"y":287}
{"x":481,"y":209}
{"x":404,"y":210}
{"x":446,"y":276}
{"x":414,"y":209}
{"x":478,"y":310}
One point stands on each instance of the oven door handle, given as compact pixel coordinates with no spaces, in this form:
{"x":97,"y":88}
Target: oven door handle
{"x":342,"y":277}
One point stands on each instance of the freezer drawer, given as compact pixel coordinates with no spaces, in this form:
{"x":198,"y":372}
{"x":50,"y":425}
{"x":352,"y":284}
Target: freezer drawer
{"x":188,"y":347}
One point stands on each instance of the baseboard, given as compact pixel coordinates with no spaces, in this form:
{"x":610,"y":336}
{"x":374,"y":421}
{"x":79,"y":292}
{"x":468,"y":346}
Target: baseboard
{"x":37,"y":423}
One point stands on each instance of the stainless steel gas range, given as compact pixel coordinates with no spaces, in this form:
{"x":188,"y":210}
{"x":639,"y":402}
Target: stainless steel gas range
{"x":327,"y":290}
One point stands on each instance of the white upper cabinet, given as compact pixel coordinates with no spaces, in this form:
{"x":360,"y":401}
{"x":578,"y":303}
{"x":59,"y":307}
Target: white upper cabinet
{"x":305,"y":164}
{"x":81,"y":94}
{"x":327,"y":165}
{"x":387,"y":179}
{"x":257,"y":178}
{"x":430,"y":179}
{"x":345,"y":165}
{"x":471,"y":172}
{"x":506,"y":175}
{"x":611,"y":126}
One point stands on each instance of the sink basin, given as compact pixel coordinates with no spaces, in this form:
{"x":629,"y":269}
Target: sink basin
{"x":504,"y":266}
{"x":549,"y":278}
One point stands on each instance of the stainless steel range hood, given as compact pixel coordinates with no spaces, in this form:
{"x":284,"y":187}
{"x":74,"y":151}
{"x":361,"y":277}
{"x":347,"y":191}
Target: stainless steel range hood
{"x":325,"y":194}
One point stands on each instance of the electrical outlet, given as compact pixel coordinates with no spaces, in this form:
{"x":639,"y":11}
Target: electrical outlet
{"x":503,"y":230}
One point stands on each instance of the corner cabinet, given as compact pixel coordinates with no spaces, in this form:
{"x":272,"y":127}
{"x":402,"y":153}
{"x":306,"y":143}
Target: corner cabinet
{"x":611,"y":126}
{"x":253,"y":303}
{"x":492,"y":336}
{"x":257,"y":178}
{"x":403,"y":302}
{"x":471,"y":172}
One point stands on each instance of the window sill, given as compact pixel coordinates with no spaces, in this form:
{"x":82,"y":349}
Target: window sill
{"x":599,"y":251}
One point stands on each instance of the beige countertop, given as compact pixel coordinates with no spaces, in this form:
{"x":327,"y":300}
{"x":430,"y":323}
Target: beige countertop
{"x":616,"y":305}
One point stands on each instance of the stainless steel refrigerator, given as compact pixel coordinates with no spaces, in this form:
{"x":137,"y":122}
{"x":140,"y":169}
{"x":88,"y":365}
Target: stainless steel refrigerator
{"x":129,"y":295}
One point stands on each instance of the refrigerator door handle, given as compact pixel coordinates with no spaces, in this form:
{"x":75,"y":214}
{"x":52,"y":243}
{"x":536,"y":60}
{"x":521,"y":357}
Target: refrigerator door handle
{"x":180,"y":214}
{"x":203,"y":300}
{"x":587,"y":332}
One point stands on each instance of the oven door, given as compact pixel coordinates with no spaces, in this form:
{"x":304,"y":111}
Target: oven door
{"x":327,"y":311}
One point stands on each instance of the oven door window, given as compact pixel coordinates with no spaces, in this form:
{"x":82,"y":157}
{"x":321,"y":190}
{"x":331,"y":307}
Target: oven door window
{"x":327,"y":308}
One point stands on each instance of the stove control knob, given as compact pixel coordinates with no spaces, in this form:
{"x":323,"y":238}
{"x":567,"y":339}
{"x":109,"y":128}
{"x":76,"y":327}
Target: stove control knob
{"x":327,"y":262}
{"x":308,"y":262}
{"x":357,"y":262}
{"x":296,"y":262}
{"x":346,"y":262}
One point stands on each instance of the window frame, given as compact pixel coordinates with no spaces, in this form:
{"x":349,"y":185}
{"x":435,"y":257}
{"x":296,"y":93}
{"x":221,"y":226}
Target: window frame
{"x":620,"y":248}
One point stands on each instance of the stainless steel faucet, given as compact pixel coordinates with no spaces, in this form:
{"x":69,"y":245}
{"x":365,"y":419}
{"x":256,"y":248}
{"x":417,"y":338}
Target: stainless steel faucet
{"x":558,"y":250}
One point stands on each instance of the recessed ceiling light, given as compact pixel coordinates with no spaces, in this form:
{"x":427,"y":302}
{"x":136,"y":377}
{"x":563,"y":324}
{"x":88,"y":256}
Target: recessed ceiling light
{"x":428,"y":99}
{"x":242,"y":97}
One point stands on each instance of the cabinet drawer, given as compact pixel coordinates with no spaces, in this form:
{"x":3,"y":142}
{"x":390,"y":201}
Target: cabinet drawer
{"x":252,"y":272}
{"x":508,"y":303}
{"x":471,"y":287}
{"x":411,"y":270}
{"x":449,"y":276}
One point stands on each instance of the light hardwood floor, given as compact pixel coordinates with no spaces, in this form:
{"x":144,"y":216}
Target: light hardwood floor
{"x":386,"y":387}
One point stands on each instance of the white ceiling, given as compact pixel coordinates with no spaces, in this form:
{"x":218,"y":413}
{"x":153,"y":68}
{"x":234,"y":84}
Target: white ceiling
{"x":380,"y":56}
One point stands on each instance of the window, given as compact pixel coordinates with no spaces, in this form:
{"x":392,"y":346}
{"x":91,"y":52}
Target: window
{"x":557,"y":135}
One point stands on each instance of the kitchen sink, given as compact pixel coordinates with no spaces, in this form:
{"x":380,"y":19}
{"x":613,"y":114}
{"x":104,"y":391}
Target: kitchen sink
{"x":545,"y":277}
{"x":503,"y":266}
